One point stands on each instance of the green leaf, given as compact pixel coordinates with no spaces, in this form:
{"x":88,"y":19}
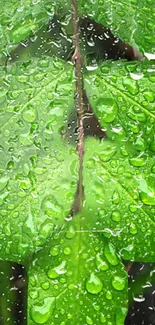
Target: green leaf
{"x":20,"y":20}
{"x":127,"y":19}
{"x":120,"y":199}
{"x":37,"y":189}
{"x":77,"y":279}
{"x":122,"y":97}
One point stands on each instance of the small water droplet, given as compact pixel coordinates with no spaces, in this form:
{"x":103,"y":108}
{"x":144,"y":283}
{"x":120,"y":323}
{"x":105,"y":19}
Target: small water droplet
{"x":40,"y":313}
{"x":93,"y":284}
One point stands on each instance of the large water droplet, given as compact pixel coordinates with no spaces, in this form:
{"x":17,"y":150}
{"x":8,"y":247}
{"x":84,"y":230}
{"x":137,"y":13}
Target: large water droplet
{"x":118,"y":283}
{"x":89,"y":321}
{"x":50,"y":207}
{"x":41,"y":313}
{"x":110,"y":254}
{"x":108,"y":108}
{"x":29,"y":114}
{"x":93,"y":284}
{"x":56,"y":271}
{"x":138,"y":161}
{"x":101,"y":265}
{"x":147,"y":192}
{"x":3,"y":182}
{"x":131,"y":86}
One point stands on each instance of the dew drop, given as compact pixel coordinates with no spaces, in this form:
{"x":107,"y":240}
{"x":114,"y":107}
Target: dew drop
{"x":40,"y":313}
{"x":89,"y":320}
{"x":50,"y":207}
{"x":3,"y":182}
{"x":108,"y":295}
{"x":67,"y":250}
{"x":147,"y":193}
{"x":131,"y":86}
{"x":29,"y":114}
{"x":45,"y":285}
{"x":115,"y":197}
{"x":93,"y":284}
{"x":102,"y":319}
{"x":54,"y":251}
{"x":101,"y":265}
{"x":118,"y":283}
{"x":138,"y":162}
{"x":70,"y":233}
{"x":110,"y":254}
{"x":133,"y":229}
{"x":116,"y":216}
{"x":107,"y":108}
{"x":57,"y":271}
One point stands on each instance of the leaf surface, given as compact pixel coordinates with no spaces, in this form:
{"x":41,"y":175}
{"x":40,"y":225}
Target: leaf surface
{"x":77,"y":279}
{"x":38,"y":170}
{"x":127,"y":19}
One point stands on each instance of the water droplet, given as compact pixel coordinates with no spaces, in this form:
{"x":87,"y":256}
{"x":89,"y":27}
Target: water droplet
{"x":119,"y":283}
{"x":115,"y":197}
{"x":116,"y":216}
{"x":25,"y":184}
{"x":138,"y":161}
{"x":50,"y":207}
{"x":41,"y":313}
{"x":153,"y":169}
{"x":57,"y":271}
{"x":89,"y":320}
{"x":110,"y":254}
{"x":93,"y":284}
{"x":133,"y":229}
{"x":107,"y":109}
{"x":108,"y":295}
{"x":45,"y":285}
{"x":67,"y":250}
{"x":149,"y":96}
{"x":70,"y":233}
{"x":54,"y":251}
{"x":29,"y":114}
{"x":147,"y":193}
{"x":3,"y":182}
{"x":131,"y":86}
{"x":39,"y":170}
{"x":101,"y":265}
{"x":102,"y":318}
{"x":33,"y":294}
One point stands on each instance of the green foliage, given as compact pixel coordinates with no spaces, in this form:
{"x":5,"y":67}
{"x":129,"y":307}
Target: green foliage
{"x":75,"y":271}
{"x":132,"y":20}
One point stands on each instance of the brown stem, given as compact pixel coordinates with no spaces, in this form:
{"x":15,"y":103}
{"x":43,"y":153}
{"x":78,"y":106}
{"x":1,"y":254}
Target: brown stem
{"x":79,"y":97}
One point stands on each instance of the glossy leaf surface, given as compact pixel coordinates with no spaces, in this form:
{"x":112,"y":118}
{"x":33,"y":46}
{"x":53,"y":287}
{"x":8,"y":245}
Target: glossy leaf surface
{"x":77,"y":279}
{"x":38,"y":170}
